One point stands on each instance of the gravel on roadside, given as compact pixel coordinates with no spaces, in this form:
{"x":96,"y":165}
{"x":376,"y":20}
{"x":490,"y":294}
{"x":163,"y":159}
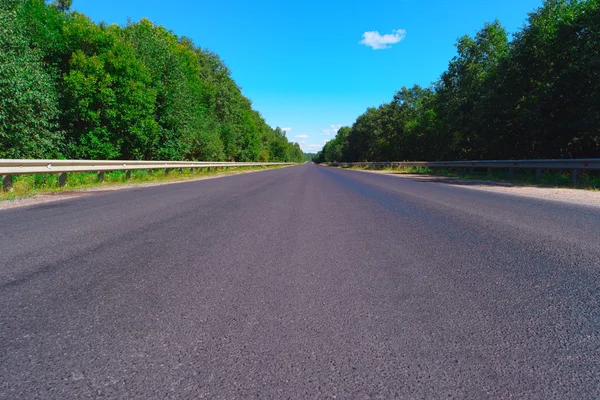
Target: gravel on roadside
{"x":579,"y":196}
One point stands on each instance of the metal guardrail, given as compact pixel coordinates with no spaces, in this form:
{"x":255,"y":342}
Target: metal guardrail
{"x":8,"y":168}
{"x":575,"y":165}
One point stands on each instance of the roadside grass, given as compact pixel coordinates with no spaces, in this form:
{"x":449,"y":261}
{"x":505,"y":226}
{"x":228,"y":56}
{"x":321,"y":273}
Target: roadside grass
{"x":587,"y":180}
{"x":30,"y":185}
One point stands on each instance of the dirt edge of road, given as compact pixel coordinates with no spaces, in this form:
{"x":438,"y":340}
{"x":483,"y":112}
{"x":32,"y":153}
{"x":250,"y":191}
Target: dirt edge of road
{"x":578,"y":196}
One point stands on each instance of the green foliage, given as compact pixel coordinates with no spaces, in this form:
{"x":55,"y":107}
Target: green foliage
{"x":534,"y":97}
{"x":555,"y":82}
{"x":28,"y":95}
{"x":175,"y":77}
{"x":72,"y":88}
{"x":109,"y":103}
{"x":464,"y":91}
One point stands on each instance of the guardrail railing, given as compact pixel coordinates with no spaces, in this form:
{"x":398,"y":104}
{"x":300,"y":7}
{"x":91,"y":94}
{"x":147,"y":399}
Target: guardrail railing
{"x":575,"y":165}
{"x":9,"y":168}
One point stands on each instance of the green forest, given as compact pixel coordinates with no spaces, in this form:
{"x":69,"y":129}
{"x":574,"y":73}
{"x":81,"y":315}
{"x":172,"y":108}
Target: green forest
{"x":534,"y":94}
{"x":71,"y":88}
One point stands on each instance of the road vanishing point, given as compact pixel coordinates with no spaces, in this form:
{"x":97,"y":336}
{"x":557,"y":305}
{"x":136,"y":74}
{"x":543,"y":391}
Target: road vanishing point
{"x":301,"y":282}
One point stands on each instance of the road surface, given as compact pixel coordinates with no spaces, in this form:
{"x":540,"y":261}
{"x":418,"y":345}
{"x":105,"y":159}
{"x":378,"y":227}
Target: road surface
{"x":302,"y":282}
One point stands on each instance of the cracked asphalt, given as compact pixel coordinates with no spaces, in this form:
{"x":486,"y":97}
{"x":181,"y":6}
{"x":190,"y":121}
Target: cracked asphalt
{"x":302,"y":282}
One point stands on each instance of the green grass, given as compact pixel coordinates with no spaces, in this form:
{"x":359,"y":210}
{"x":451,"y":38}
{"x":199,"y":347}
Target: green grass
{"x":588,"y":180}
{"x":30,"y":185}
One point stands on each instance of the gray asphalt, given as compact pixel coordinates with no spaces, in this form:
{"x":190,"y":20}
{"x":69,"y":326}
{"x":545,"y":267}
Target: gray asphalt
{"x":302,"y":282}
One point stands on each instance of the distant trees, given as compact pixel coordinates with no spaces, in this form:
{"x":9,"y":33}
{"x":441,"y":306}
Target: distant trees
{"x":309,"y":156}
{"x":534,"y":97}
{"x":72,"y":88}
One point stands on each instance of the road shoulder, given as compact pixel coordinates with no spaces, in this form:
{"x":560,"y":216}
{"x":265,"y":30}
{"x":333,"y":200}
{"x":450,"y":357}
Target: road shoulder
{"x":576,"y":196}
{"x":48,"y":197}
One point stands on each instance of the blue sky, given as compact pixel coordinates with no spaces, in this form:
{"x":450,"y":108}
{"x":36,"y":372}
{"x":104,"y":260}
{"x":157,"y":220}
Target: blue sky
{"x":301,"y":63}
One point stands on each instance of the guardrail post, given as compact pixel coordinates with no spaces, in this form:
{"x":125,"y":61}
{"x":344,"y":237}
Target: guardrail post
{"x":180,"y":170}
{"x":62,"y":179}
{"x":150,"y":172}
{"x":471,"y":170}
{"x":7,"y":182}
{"x":100,"y":176}
{"x":192,"y":170}
{"x":166,"y":171}
{"x":489,"y":172}
{"x":538,"y":174}
{"x":574,"y":176}
{"x":128,"y":174}
{"x":511,"y":172}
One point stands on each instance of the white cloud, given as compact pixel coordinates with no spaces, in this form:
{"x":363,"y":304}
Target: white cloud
{"x":301,"y":136}
{"x":314,"y":146}
{"x":377,"y":41}
{"x":334,"y":129}
{"x":286,"y":129}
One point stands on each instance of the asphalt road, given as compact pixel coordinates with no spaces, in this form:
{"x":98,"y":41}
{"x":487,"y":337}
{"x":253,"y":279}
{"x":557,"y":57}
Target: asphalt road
{"x":302,"y":282}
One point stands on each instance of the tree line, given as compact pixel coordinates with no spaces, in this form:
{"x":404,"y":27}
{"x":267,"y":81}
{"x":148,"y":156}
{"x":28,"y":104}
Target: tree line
{"x":71,"y":88}
{"x":535,"y":96}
